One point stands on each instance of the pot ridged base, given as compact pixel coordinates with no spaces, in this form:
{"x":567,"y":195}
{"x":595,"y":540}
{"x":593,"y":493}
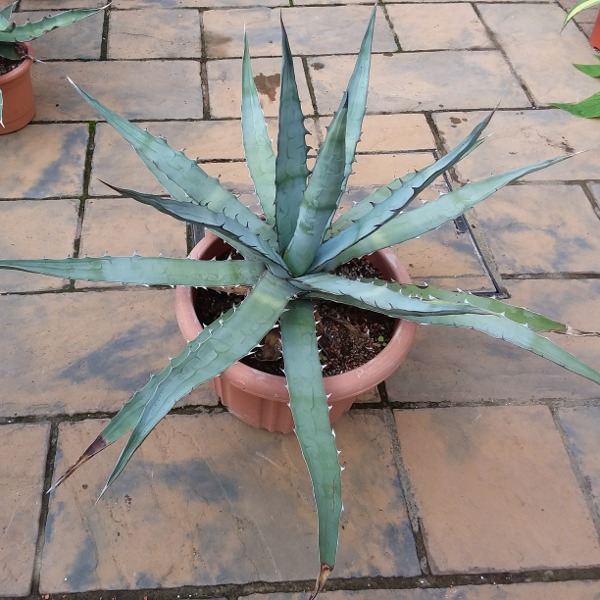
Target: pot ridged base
{"x":262,"y":400}
{"x":17,"y":96}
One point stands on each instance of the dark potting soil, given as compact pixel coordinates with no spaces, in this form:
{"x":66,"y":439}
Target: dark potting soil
{"x":349,"y":336}
{"x":6,"y":66}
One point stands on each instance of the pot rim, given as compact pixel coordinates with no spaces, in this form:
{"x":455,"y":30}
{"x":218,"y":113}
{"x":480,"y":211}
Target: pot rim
{"x":24,"y":66}
{"x":350,"y":383}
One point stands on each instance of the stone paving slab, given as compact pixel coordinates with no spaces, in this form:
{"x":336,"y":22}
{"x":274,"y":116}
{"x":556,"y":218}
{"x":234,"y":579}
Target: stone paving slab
{"x":82,"y":40}
{"x":34,"y":229}
{"x":525,"y":137}
{"x":451,"y":26}
{"x":224,"y":85}
{"x":421,"y":81}
{"x":56,"y":171}
{"x":22,"y":468}
{"x":85,"y":352}
{"x":224,"y":31}
{"x":464,"y":366}
{"x":212,"y":521}
{"x":541,"y":229}
{"x":154,"y":33}
{"x":479,"y":512}
{"x":393,"y":133}
{"x":205,"y":140}
{"x":580,"y":425}
{"x":573,"y":590}
{"x":121,"y":226}
{"x":149,"y":99}
{"x":531,"y":36}
{"x":129,"y":4}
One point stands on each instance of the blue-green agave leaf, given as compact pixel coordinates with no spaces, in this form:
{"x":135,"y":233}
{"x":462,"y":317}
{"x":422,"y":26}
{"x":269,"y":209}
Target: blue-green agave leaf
{"x":145,"y":271}
{"x":356,"y":95}
{"x":10,"y":52}
{"x":308,"y":403}
{"x":430,"y":215}
{"x":6,"y":14}
{"x":501,"y":327}
{"x":386,"y":202}
{"x":233,"y":232}
{"x":181,"y":177}
{"x":402,"y":300}
{"x":321,"y":197}
{"x":291,"y":171}
{"x":31,"y":31}
{"x":225,"y":341}
{"x":258,"y":148}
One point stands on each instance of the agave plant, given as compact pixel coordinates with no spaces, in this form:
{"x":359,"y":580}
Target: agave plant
{"x":290,"y":252}
{"x":12,"y":35}
{"x":578,"y":7}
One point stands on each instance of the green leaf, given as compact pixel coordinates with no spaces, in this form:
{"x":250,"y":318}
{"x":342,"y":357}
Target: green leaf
{"x":581,"y":5}
{"x":388,"y":208}
{"x":145,"y":271}
{"x":181,"y":177}
{"x":217,"y":347}
{"x":308,"y":403}
{"x":503,"y":328}
{"x":356,"y":96}
{"x":430,"y":215}
{"x":31,"y":31}
{"x":320,"y":199}
{"x":291,"y":170}
{"x":257,"y":143}
{"x":588,"y":108}
{"x":401,"y":300}
{"x":591,"y":70}
{"x":7,"y":12}
{"x":9,"y":51}
{"x":234,"y":233}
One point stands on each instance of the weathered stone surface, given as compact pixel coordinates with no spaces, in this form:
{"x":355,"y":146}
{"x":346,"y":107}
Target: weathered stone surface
{"x":495,"y":490}
{"x":225,"y":84}
{"x":450,"y":26}
{"x":22,"y":467}
{"x":121,"y":226}
{"x":522,"y":138}
{"x":541,"y":229}
{"x":85,"y":352}
{"x":41,"y":170}
{"x":154,"y":33}
{"x":224,"y":31}
{"x":82,"y":40}
{"x":420,"y":81}
{"x":463,"y":366}
{"x":36,"y":229}
{"x":208,"y":500}
{"x":573,"y":590}
{"x":148,"y":99}
{"x":532,"y":38}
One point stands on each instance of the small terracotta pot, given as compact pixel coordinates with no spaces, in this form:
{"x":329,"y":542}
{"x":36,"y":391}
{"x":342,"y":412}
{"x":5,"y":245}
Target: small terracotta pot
{"x":17,"y":95}
{"x":595,"y":37}
{"x":261,"y":399}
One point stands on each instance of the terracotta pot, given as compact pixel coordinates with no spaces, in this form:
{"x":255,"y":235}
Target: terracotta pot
{"x":595,"y":37}
{"x":17,"y":95}
{"x":261,"y":399}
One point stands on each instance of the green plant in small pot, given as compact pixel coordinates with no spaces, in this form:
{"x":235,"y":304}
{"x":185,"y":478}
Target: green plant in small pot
{"x":16,"y":57}
{"x":288,"y":259}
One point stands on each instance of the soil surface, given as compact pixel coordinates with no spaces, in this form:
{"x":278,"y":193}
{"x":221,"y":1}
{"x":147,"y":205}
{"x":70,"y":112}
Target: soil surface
{"x":6,"y":66}
{"x":349,"y":336}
